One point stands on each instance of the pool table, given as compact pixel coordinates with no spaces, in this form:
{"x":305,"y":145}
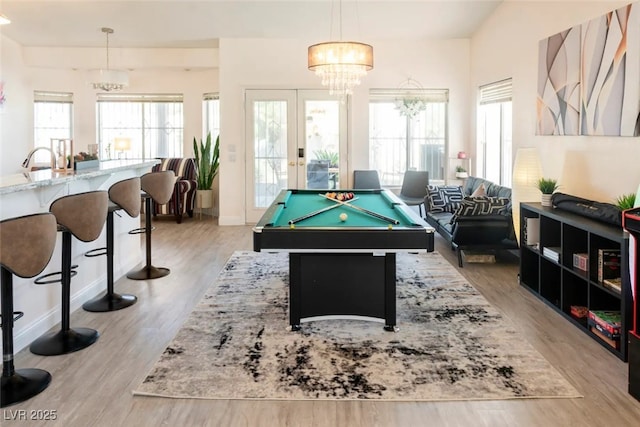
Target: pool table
{"x":341,"y":268}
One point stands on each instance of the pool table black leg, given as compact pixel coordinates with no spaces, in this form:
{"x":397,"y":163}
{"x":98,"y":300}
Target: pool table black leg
{"x":295,"y":328}
{"x":390,"y":293}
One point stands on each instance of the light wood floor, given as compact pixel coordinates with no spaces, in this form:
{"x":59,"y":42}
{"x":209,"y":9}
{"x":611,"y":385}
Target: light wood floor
{"x":93,"y":387}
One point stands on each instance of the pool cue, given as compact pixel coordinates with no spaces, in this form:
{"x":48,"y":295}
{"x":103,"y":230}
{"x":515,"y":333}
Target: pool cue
{"x":312,"y":214}
{"x":368,"y":212}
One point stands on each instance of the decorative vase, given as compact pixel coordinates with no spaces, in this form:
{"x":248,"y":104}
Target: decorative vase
{"x":546,"y":200}
{"x":462,"y":175}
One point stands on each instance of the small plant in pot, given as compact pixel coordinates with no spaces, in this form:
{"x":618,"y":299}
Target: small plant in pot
{"x":626,"y":201}
{"x":547,"y":186}
{"x":461,"y":172}
{"x":207,"y":163}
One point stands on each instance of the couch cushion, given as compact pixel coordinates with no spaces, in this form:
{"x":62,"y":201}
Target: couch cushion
{"x":483,"y":205}
{"x":444,"y":198}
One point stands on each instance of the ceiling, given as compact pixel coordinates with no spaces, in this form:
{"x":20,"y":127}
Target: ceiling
{"x":187,"y":23}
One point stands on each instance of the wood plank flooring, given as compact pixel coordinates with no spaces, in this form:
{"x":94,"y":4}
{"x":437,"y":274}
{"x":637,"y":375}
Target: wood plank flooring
{"x":93,"y":387}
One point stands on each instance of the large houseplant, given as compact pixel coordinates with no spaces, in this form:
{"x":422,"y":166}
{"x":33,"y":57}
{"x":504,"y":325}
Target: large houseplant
{"x":207,"y":163}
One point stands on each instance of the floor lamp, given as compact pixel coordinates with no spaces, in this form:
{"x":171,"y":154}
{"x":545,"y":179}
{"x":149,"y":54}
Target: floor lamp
{"x":526,"y":173}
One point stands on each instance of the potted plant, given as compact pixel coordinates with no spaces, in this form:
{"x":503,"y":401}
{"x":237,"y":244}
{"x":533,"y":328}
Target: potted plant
{"x":547,"y":186}
{"x":207,"y":163}
{"x":461,"y":172}
{"x":626,"y":201}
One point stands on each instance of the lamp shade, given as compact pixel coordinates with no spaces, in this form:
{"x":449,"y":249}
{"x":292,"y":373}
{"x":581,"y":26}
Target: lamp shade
{"x":122,"y":144}
{"x":340,"y":64}
{"x":526,"y":173}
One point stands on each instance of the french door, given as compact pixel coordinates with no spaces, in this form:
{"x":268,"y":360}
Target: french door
{"x":294,"y":139}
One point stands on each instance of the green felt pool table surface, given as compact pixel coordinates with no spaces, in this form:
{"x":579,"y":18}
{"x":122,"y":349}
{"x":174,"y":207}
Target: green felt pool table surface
{"x":297,"y":203}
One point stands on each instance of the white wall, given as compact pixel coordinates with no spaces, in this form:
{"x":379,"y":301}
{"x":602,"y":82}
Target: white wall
{"x":267,"y":64}
{"x":27,"y":69}
{"x":598,"y":168}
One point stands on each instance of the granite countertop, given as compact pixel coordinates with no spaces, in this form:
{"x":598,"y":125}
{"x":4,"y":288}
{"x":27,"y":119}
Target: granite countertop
{"x":47,"y":177}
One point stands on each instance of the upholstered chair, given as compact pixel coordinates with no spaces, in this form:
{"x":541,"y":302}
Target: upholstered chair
{"x":184,"y":193}
{"x":26,"y":246}
{"x":81,"y":216}
{"x":123,"y":195}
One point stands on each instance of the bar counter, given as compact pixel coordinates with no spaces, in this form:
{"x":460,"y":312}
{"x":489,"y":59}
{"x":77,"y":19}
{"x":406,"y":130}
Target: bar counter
{"x":33,"y":192}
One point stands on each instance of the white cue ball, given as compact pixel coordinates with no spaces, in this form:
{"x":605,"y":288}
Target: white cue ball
{"x":343,"y":217}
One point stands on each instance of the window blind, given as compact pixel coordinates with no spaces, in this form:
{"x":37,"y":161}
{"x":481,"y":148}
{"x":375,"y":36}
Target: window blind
{"x":427,"y":95}
{"x":211,"y":96}
{"x":62,"y":97}
{"x":143,"y":97}
{"x":496,"y":92}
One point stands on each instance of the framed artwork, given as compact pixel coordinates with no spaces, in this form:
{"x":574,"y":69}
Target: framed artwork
{"x":611,"y":74}
{"x":558,"y":103}
{"x":589,"y":77}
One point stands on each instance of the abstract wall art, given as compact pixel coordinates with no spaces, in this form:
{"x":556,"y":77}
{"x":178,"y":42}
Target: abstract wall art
{"x":558,"y":103}
{"x":611,"y":73}
{"x":589,"y":77}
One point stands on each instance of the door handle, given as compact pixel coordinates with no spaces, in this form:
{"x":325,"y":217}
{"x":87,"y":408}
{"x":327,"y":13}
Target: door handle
{"x":292,"y":163}
{"x":301,"y":163}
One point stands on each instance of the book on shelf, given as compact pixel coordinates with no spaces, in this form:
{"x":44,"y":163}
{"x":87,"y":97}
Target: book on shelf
{"x":603,"y":330}
{"x":608,"y":264}
{"x":613,"y":343}
{"x":614,"y":284}
{"x":581,"y":261}
{"x":609,"y":320}
{"x":552,"y":253}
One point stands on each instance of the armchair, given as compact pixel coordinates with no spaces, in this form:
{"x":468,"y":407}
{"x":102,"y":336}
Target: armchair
{"x":184,"y":194}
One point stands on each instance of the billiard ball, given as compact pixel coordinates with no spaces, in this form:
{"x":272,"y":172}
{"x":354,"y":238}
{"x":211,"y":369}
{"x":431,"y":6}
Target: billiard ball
{"x":343,"y":217}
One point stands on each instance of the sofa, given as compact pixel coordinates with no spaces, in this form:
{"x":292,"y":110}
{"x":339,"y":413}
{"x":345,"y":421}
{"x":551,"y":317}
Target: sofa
{"x":184,"y":194}
{"x":474,"y":216}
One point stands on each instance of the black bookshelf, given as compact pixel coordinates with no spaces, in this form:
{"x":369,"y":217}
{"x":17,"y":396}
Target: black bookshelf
{"x":557,"y":282}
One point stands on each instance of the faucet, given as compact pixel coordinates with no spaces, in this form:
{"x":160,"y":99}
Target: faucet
{"x":27,"y":161}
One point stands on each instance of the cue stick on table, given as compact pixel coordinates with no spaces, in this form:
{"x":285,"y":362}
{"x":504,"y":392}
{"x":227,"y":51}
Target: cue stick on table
{"x":312,"y":214}
{"x":368,"y":212}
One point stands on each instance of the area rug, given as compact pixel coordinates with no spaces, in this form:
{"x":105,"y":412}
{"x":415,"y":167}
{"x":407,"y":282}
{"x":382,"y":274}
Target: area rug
{"x":451,"y":344}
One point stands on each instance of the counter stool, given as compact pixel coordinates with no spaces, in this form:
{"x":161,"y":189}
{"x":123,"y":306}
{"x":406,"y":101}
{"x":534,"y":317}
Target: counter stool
{"x":123,"y":195}
{"x":26,"y":246}
{"x":81,"y":215}
{"x":156,"y":186}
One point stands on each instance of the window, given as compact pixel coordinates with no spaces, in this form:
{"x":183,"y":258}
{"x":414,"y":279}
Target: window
{"x":407,"y":130}
{"x":211,"y":115}
{"x":494,"y":132}
{"x":140,"y":126}
{"x":52,"y":118}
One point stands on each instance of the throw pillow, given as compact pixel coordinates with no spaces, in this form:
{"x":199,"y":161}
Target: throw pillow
{"x":480,"y":191}
{"x":483,"y":205}
{"x":444,"y":198}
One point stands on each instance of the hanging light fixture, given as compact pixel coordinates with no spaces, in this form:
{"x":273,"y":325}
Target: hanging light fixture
{"x":340,"y":64}
{"x":108,"y":79}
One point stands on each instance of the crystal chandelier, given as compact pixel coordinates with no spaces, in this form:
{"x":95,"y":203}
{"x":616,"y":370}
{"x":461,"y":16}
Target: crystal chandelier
{"x":411,"y":100}
{"x":340,"y":64}
{"x":108,"y":79}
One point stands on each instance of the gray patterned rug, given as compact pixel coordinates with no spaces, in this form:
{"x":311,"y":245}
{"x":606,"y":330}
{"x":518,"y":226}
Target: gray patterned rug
{"x":452,"y":345}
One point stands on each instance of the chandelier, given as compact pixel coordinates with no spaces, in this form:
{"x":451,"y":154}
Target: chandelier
{"x":340,"y":64}
{"x":108,"y":79}
{"x":411,"y":99}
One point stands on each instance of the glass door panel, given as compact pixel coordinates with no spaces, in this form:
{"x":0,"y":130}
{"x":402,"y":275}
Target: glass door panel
{"x":295,"y":139}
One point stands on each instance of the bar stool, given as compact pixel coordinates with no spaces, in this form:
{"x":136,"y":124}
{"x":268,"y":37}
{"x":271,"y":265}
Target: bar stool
{"x":83,"y":216}
{"x":156,"y":186}
{"x":123,"y":195}
{"x":26,"y":246}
